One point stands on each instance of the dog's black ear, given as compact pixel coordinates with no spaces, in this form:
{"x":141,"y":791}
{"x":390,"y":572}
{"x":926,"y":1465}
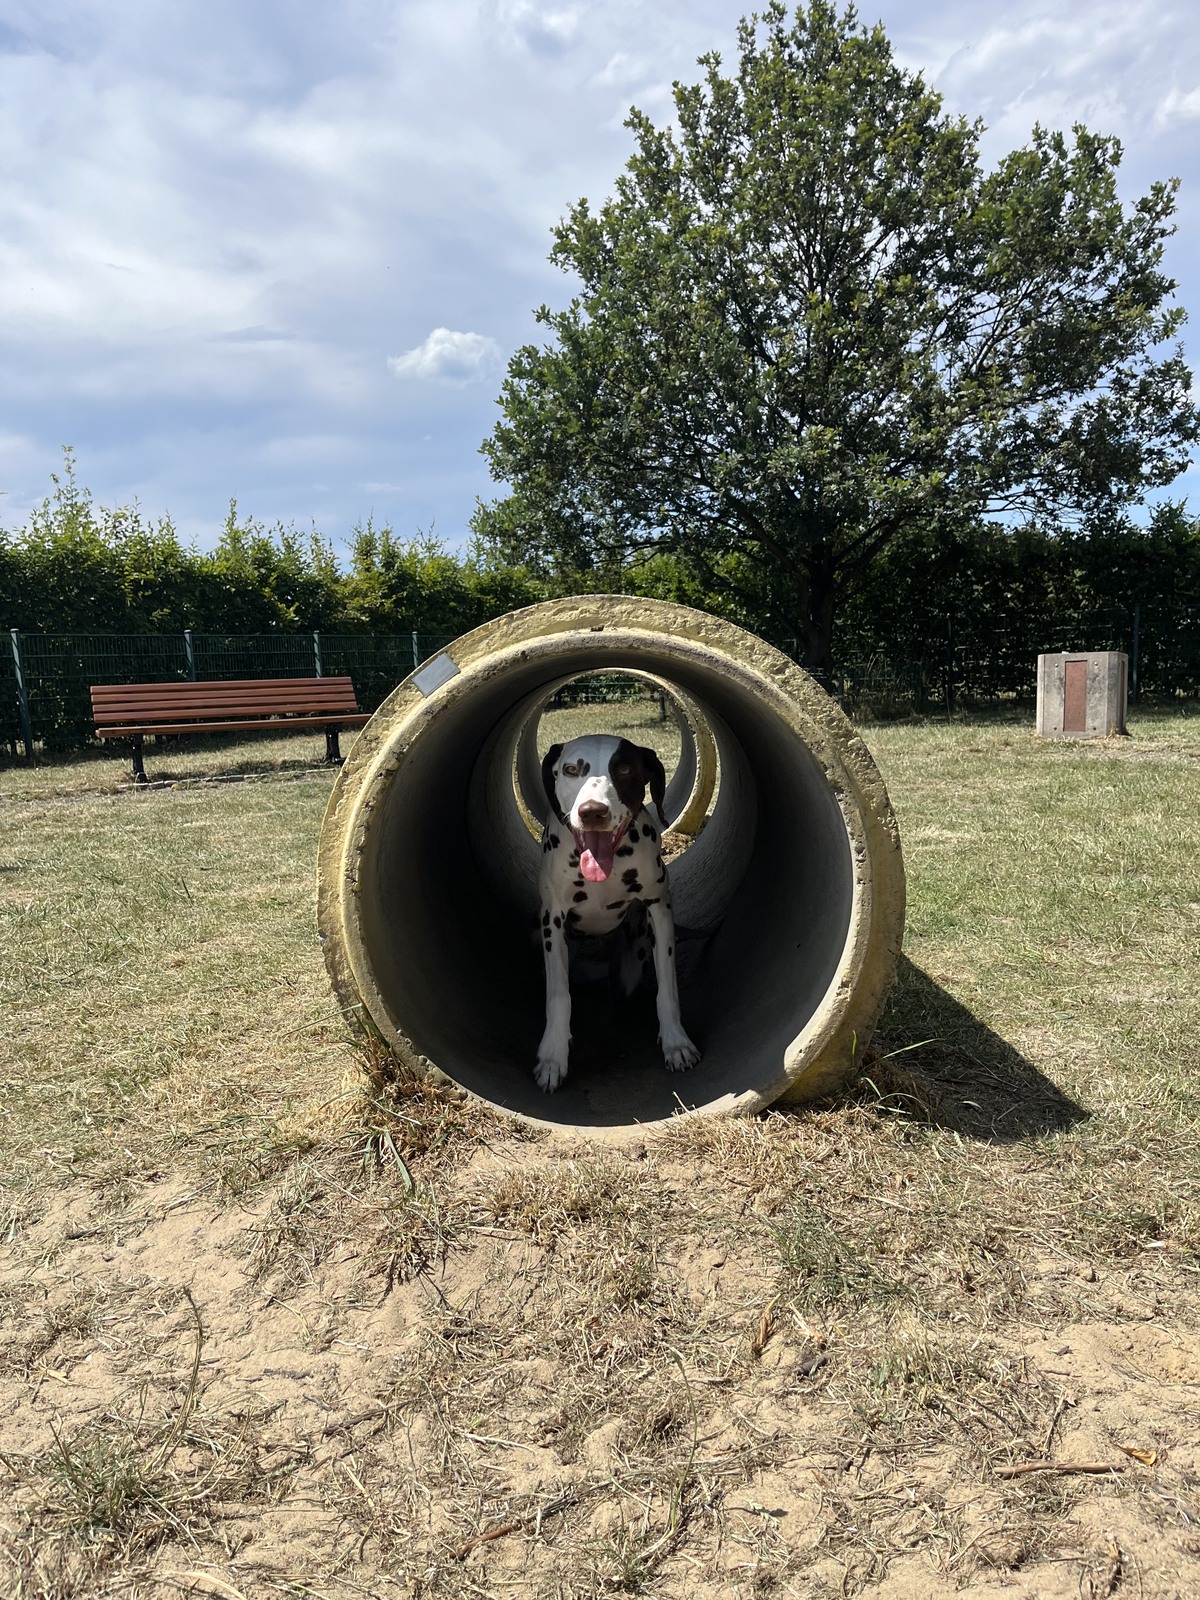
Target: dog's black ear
{"x":657,"y":779}
{"x":548,"y":761}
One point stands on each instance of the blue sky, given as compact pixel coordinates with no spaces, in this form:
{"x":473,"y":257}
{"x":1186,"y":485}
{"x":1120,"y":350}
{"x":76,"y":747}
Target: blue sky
{"x":282,"y":251}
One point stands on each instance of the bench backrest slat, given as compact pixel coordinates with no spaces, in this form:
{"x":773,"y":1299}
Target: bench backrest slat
{"x":245,"y":698}
{"x":183,"y":685}
{"x":213,"y":689}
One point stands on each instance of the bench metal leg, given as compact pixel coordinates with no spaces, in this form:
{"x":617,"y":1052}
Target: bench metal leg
{"x":139,"y":771}
{"x":333,"y":750}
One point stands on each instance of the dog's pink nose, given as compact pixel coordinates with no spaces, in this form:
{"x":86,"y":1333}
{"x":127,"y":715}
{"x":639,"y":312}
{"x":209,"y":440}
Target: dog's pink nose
{"x":594,"y":813}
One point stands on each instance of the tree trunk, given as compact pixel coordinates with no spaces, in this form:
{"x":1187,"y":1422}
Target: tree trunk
{"x":815,"y":625}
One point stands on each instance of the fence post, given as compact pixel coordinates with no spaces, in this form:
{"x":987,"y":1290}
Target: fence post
{"x":317,"y":653}
{"x":949,"y":665}
{"x":416,"y":651}
{"x":189,"y":654}
{"x":1133,"y":654}
{"x":22,"y":696}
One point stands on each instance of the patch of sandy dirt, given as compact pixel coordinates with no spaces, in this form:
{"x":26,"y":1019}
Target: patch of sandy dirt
{"x":513,"y":1382}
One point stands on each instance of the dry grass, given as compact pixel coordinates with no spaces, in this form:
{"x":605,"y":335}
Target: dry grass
{"x":196,"y":758}
{"x":277,"y":1319}
{"x":109,"y":1491}
{"x":639,"y":720}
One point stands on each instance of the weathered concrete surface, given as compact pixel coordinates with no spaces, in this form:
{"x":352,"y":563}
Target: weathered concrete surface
{"x":1082,"y":694}
{"x":789,"y":904}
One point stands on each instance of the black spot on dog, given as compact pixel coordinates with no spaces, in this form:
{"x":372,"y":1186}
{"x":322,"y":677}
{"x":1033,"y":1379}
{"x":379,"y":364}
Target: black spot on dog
{"x":555,"y":841}
{"x":573,"y":917}
{"x":633,"y":835}
{"x":631,"y":880}
{"x":651,"y":900}
{"x":557,"y":921}
{"x":548,"y":944}
{"x":650,"y":833}
{"x":573,"y":859}
{"x":580,"y":894}
{"x":625,"y":850}
{"x":545,"y":918}
{"x":662,"y":875}
{"x":579,"y":883}
{"x":616,"y":905}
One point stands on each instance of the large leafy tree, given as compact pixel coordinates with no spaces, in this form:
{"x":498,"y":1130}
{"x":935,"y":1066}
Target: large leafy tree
{"x":807,"y":319}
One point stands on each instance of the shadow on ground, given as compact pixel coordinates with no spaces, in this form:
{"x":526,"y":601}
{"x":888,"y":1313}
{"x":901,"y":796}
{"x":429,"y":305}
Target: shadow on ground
{"x":934,"y":1062}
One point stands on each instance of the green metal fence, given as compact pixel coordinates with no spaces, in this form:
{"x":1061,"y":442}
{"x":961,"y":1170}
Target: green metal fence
{"x":46,"y":679}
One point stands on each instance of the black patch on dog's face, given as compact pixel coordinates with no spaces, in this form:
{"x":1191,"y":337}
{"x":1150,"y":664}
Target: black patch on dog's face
{"x":628,"y":774}
{"x":548,"y":782}
{"x":631,"y":768}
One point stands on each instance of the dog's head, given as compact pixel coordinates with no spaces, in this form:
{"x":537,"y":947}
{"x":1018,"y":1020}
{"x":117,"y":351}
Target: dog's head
{"x":596,"y":786}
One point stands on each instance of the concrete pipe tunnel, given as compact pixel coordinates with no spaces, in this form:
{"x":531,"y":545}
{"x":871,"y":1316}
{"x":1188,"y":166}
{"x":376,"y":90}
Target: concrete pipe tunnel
{"x":789,"y":901}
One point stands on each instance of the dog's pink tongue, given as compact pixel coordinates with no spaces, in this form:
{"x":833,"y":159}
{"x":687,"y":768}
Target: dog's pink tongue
{"x":597,"y":859}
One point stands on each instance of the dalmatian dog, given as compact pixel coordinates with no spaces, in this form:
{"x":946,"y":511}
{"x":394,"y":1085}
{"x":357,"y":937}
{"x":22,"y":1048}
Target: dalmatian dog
{"x":603,"y":874}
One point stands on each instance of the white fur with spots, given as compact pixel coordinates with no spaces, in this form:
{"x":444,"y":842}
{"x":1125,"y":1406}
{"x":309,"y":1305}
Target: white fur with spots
{"x":601,"y":857}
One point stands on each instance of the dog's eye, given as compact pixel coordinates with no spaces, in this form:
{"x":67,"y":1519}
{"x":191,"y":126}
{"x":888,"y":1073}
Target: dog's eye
{"x":570,"y":771}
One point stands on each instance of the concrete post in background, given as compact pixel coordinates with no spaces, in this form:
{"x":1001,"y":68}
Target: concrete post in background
{"x":1082,"y":694}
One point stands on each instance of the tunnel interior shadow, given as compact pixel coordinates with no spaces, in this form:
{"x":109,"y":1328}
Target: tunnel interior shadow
{"x":934,"y":1062}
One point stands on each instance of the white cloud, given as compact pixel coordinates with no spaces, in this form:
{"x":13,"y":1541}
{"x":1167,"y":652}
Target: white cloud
{"x":450,"y":357}
{"x":1179,"y":107}
{"x":540,"y":28}
{"x":1107,"y":63}
{"x":621,"y":71}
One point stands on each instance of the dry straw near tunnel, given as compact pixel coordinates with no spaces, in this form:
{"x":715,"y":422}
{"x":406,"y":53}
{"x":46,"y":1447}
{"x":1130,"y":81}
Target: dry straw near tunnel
{"x":789,"y":903}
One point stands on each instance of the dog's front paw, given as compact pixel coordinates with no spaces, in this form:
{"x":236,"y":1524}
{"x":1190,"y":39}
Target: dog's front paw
{"x":679,"y":1053}
{"x":550,"y":1072}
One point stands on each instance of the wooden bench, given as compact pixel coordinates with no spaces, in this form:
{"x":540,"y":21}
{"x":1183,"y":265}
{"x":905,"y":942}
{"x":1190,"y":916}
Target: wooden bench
{"x":132,"y":710}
